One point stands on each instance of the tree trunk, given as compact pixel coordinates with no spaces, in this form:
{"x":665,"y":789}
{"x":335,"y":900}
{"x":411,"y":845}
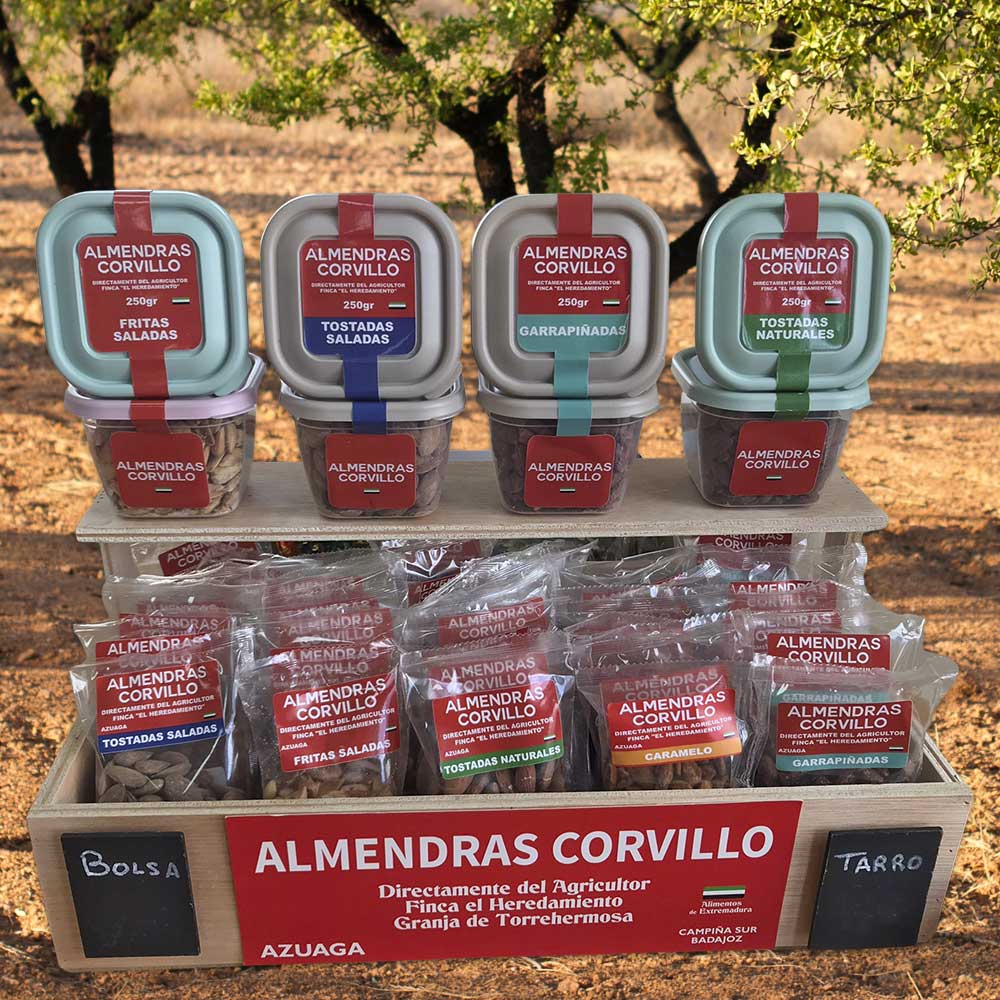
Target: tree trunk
{"x":494,"y":174}
{"x":537,"y":150}
{"x":669,"y":115}
{"x":101,"y":142}
{"x":61,"y":145}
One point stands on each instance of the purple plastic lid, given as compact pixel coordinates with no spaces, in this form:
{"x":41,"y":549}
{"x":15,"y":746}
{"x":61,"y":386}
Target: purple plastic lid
{"x":232,"y":404}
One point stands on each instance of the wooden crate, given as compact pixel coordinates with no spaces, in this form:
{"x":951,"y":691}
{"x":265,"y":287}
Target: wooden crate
{"x":941,"y":799}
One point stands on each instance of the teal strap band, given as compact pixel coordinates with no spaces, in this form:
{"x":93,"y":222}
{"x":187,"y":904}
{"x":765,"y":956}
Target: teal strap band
{"x":570,"y":375}
{"x":574,"y":416}
{"x":793,"y":372}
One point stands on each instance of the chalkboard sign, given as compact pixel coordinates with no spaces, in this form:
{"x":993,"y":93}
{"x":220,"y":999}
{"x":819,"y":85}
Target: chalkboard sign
{"x":874,"y":887}
{"x":132,"y":894}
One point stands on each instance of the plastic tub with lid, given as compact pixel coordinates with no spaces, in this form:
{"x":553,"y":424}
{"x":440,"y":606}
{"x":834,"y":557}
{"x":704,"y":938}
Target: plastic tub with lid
{"x":569,"y":296}
{"x":144,"y":294}
{"x":756,"y":449}
{"x":362,"y":296}
{"x":186,"y":457}
{"x":564,"y":456}
{"x":375,"y":459}
{"x":792,"y":292}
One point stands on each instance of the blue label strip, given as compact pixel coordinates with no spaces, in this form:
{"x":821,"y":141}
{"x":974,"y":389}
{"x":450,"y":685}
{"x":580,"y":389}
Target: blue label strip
{"x":368,"y":417}
{"x":164,"y":736}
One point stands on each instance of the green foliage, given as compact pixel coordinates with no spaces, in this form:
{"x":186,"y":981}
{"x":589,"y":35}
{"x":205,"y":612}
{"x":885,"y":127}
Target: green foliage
{"x":915,"y":80}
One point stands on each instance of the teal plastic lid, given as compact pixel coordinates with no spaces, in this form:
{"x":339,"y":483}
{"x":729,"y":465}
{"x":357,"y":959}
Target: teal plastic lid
{"x":144,"y":295}
{"x":792,"y":292}
{"x":698,"y":386}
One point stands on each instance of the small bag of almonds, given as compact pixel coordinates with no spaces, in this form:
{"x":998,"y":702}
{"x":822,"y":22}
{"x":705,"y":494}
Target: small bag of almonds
{"x":669,"y":706}
{"x":326,"y":721}
{"x":495,"y":720}
{"x":164,"y":723}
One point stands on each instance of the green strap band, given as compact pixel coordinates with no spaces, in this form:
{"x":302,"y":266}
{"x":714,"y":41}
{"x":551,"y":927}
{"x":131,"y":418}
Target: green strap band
{"x":793,"y":372}
{"x":571,"y":375}
{"x":792,"y":405}
{"x":574,"y":417}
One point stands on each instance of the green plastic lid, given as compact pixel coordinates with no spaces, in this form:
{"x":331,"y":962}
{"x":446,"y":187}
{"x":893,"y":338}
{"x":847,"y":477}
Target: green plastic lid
{"x":698,"y":386}
{"x":792,"y":292}
{"x":144,"y":295}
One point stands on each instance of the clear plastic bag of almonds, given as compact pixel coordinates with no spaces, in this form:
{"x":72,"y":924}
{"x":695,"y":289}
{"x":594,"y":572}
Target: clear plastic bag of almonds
{"x":164,"y":595}
{"x":868,"y":637}
{"x":419,"y":568}
{"x":491,"y":598}
{"x":326,"y":720}
{"x":831,"y":726}
{"x":718,"y":565}
{"x":165,"y":725}
{"x":496,"y":720}
{"x":172,"y":558}
{"x":344,"y":577}
{"x":656,"y":567}
{"x":668,"y":705}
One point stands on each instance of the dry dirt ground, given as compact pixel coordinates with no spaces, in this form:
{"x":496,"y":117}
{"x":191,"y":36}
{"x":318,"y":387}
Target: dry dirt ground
{"x":926,"y":451}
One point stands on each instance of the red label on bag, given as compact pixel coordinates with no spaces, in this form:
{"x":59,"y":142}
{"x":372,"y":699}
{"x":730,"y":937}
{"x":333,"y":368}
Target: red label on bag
{"x":354,"y":623}
{"x":371,"y":471}
{"x":318,"y":591}
{"x":159,"y":707}
{"x":515,"y":726}
{"x":834,"y":649}
{"x":569,"y":471}
{"x":529,"y":615}
{"x":195,"y":555}
{"x":166,"y":623}
{"x":813,"y":730}
{"x":778,"y":457}
{"x":112,"y":649}
{"x":740,"y":543}
{"x":160,"y":470}
{"x":781,"y":595}
{"x":820,"y":620}
{"x":664,"y":718}
{"x":319,"y":658}
{"x":501,"y":882}
{"x":352,"y":720}
{"x":141,"y":293}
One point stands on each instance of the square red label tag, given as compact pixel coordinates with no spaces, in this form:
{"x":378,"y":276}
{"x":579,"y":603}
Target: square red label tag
{"x":569,"y":471}
{"x":778,"y":457}
{"x":160,"y":470}
{"x":371,"y":471}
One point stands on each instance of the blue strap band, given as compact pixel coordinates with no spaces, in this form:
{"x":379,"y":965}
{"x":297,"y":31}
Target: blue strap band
{"x":368,"y":417}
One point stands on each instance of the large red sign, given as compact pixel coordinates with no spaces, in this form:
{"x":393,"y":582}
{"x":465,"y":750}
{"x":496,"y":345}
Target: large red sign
{"x":383,"y":887}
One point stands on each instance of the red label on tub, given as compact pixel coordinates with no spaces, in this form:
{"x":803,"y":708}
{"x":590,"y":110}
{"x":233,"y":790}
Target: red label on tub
{"x":351,"y":720}
{"x":371,"y":471}
{"x":834,"y":649}
{"x":778,"y":457}
{"x":359,"y":296}
{"x":569,"y":471}
{"x":160,"y":470}
{"x":379,"y":887}
{"x":140,"y":293}
{"x":572,"y":275}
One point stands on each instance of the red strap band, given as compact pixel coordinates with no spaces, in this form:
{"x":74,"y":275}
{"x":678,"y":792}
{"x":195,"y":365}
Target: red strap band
{"x":574,"y":214}
{"x":356,"y":216}
{"x":802,"y":213}
{"x":149,"y":415}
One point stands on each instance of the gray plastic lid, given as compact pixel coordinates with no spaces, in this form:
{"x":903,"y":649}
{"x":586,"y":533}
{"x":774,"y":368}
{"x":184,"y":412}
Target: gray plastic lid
{"x":502,"y":405}
{"x":821,"y":292}
{"x":396,"y":410}
{"x":625,"y":290}
{"x":319,"y":307}
{"x":180,"y":280}
{"x":243,"y":400}
{"x":698,"y":386}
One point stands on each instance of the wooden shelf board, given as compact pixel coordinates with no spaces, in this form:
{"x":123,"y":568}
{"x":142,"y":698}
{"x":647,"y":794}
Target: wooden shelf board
{"x":661,"y":500}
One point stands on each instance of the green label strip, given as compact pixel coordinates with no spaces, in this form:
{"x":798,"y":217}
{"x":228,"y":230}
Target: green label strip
{"x":501,"y":760}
